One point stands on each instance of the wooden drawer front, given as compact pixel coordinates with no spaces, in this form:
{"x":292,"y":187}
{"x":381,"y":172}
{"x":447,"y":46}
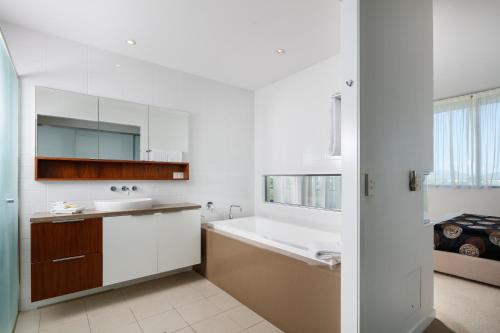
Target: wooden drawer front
{"x":64,"y":276}
{"x":65,"y":239}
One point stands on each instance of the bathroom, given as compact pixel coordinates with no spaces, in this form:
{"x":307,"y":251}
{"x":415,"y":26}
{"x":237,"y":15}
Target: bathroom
{"x":217,"y":172}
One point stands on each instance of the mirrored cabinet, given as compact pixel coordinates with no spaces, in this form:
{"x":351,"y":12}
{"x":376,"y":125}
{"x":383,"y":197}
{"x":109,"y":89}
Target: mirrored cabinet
{"x":123,"y":130}
{"x":168,"y":134}
{"x":80,"y":132}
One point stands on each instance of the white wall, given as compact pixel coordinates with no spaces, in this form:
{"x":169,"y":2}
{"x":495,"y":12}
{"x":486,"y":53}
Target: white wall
{"x":443,"y":201}
{"x":396,"y":93}
{"x":292,"y":133}
{"x":221,"y":127}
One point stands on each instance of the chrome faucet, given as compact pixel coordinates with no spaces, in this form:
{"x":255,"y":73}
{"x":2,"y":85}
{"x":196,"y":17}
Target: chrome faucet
{"x":231,"y":210}
{"x":126,"y":189}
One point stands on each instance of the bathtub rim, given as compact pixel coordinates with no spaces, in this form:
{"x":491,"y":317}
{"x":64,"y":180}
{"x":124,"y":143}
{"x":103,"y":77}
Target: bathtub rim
{"x":334,"y":265}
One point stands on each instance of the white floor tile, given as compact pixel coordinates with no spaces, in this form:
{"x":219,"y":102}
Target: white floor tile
{"x":168,"y":322}
{"x":206,"y":287}
{"x":185,"y":330}
{"x":72,"y":312}
{"x":264,"y":327}
{"x":110,"y":318}
{"x":131,"y":328}
{"x":218,"y":324}
{"x":28,"y":322}
{"x":244,"y":317}
{"x":182,"y":295}
{"x":149,"y":305}
{"x":198,"y":311}
{"x":73,"y":327}
{"x":224,"y":301}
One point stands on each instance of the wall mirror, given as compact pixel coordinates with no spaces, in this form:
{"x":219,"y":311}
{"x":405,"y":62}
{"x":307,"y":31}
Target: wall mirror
{"x":72,"y":125}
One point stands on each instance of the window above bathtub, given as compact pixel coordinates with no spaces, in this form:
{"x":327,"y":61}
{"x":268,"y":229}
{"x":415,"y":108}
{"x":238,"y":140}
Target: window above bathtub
{"x":310,"y":191}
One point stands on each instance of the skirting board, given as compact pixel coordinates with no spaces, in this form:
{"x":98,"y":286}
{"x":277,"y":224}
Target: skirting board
{"x":422,"y":325}
{"x":472,"y":268}
{"x":26,"y":304}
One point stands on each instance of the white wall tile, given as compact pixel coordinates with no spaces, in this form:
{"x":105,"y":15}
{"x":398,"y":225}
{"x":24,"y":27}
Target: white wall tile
{"x":137,"y":80}
{"x":292,"y":136}
{"x":67,"y":191}
{"x":65,"y":65}
{"x":165,"y":87}
{"x":104,"y":76}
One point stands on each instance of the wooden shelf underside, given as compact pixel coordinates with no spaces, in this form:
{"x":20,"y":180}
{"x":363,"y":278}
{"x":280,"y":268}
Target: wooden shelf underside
{"x":65,"y":169}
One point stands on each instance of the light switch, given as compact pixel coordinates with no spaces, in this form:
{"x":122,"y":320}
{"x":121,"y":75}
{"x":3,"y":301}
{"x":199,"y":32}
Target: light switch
{"x":369,"y":185}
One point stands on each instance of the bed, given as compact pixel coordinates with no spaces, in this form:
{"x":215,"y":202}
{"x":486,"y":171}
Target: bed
{"x":468,"y":246}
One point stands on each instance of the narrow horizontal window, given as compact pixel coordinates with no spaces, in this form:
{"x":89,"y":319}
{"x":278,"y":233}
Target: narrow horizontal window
{"x":313,"y":191}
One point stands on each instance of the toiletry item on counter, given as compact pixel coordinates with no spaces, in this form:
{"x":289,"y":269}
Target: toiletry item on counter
{"x":208,"y":213}
{"x":63,"y":207}
{"x":165,"y":156}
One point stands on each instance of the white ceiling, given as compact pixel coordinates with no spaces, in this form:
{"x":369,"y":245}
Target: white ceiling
{"x":231,"y":41}
{"x":466,"y":46}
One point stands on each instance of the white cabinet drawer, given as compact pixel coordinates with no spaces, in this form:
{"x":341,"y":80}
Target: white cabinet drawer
{"x":129,"y":248}
{"x":179,"y":239}
{"x":138,"y":246}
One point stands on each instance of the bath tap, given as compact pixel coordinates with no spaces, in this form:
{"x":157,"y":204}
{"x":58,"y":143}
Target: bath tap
{"x":125,"y":188}
{"x":231,"y":210}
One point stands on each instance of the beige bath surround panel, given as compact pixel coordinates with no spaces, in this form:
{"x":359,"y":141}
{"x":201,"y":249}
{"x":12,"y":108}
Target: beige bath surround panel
{"x":295,"y":296}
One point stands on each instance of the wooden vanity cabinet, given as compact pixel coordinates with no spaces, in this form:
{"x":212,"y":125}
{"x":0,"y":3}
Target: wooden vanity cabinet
{"x":66,"y":257}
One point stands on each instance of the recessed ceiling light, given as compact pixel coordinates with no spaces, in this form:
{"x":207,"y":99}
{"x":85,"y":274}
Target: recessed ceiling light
{"x":280,"y":51}
{"x":131,"y":42}
{"x":118,"y":65}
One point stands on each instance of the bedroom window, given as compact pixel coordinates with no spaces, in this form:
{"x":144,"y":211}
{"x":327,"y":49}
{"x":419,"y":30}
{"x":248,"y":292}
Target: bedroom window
{"x":312,"y":191}
{"x":467,"y":141}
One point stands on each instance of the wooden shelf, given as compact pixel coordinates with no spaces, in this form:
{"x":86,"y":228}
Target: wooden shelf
{"x":62,"y":169}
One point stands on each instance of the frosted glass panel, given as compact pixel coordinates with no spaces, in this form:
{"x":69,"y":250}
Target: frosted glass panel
{"x":9,"y":257}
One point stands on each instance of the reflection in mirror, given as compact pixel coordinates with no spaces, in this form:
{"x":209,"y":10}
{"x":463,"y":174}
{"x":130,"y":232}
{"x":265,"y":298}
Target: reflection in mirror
{"x":65,"y":137}
{"x":168,"y":134}
{"x":119,"y":142}
{"x":314,"y":191}
{"x":123,"y":130}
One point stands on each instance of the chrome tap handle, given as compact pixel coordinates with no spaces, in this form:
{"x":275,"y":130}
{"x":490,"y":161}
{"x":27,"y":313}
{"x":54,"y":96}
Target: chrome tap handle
{"x":231,"y":210}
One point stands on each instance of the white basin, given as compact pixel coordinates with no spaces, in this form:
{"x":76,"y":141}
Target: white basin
{"x":123,"y":204}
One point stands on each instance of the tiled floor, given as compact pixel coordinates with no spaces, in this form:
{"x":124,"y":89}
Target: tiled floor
{"x":183,"y":303}
{"x":187,"y":303}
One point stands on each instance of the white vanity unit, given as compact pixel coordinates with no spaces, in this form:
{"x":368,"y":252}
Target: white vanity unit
{"x":140,"y":245}
{"x":75,"y":252}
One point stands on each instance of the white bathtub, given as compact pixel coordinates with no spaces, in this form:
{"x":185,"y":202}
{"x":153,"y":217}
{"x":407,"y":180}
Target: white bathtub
{"x":297,"y":241}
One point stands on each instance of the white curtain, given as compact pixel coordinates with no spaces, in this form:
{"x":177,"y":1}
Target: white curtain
{"x":489,"y":148}
{"x":467,"y":141}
